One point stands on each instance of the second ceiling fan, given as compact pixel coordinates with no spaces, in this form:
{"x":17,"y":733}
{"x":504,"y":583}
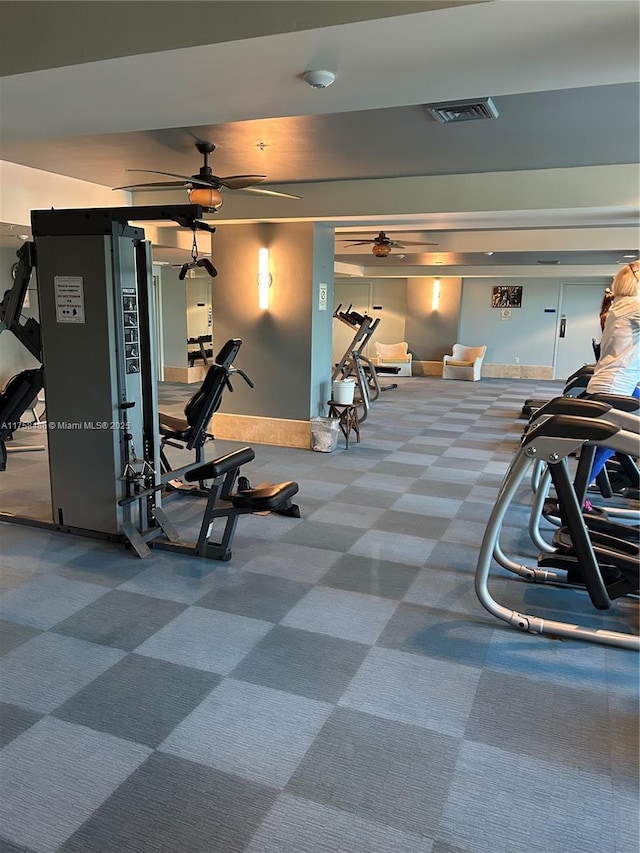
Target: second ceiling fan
{"x":204,"y":188}
{"x":382,"y":244}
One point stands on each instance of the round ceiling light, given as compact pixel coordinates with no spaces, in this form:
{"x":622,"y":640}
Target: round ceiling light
{"x":319,"y":79}
{"x":381,"y":250}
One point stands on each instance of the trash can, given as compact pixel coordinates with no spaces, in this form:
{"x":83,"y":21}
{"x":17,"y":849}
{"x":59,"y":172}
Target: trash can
{"x":324,"y":434}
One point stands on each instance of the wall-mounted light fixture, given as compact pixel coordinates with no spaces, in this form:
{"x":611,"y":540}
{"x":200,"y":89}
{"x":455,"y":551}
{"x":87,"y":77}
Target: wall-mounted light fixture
{"x":435,"y":298}
{"x":264,"y":278}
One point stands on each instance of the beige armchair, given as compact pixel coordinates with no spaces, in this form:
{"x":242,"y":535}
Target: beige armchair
{"x":463,"y":363}
{"x":394,"y":355}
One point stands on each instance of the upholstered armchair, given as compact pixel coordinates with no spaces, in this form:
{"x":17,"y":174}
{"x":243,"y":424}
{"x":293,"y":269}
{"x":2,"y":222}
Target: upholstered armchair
{"x":394,"y":355}
{"x":464,"y":363}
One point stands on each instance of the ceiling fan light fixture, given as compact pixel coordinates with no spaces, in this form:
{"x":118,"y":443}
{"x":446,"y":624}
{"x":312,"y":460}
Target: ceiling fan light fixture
{"x":209,"y":198}
{"x":381,"y":250}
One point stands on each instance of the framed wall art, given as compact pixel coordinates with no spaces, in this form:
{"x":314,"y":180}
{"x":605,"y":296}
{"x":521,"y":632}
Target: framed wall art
{"x":506,"y":297}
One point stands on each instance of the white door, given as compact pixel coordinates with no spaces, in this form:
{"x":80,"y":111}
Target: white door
{"x":578,"y":324}
{"x":356,"y":295}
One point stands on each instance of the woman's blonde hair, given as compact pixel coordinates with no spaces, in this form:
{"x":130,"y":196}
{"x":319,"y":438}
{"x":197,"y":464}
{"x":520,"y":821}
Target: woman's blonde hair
{"x":627,"y":282}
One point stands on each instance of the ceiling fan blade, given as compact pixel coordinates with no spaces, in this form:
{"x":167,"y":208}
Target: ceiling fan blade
{"x":263,"y":191}
{"x":241,"y":182}
{"x":360,"y":243}
{"x":161,"y":185}
{"x":167,"y":174}
{"x":417,"y":243}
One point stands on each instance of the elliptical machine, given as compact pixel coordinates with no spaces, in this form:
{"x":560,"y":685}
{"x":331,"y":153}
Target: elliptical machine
{"x":354,"y":364}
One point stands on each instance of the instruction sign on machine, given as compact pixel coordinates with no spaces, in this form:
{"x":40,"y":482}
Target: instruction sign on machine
{"x":69,"y":296}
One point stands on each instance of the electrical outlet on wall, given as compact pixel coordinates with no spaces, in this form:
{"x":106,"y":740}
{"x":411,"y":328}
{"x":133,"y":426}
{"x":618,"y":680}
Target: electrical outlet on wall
{"x":517,"y":359}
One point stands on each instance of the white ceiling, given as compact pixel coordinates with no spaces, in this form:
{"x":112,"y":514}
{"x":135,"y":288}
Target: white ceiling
{"x":562,"y":73}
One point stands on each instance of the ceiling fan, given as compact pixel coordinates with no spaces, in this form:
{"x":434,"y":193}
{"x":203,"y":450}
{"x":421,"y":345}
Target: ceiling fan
{"x":204,"y":188}
{"x":382,"y":244}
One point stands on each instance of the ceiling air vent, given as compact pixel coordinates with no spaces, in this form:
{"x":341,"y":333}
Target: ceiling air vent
{"x":463,"y":110}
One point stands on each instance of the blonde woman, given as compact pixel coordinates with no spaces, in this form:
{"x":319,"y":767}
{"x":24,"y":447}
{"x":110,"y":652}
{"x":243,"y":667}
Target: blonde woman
{"x":617,"y":371}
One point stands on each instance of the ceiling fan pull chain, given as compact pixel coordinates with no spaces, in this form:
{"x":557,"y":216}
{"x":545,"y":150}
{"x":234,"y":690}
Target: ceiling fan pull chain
{"x":194,"y":247}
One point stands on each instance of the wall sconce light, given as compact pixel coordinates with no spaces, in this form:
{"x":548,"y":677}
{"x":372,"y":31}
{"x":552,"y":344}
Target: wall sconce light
{"x":264,"y":279}
{"x":435,"y":299}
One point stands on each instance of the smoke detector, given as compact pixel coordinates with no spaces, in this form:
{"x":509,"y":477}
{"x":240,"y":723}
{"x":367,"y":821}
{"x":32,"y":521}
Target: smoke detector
{"x":319,"y":79}
{"x":447,"y":112}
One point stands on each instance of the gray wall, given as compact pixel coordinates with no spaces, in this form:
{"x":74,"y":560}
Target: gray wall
{"x":528,"y":335}
{"x":430,"y":333}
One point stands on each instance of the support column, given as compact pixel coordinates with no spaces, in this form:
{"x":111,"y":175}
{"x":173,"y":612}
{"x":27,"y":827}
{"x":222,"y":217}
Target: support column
{"x":286,"y":348}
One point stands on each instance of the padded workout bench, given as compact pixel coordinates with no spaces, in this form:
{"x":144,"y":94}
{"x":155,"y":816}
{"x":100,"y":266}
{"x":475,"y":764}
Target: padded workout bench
{"x":273,"y":497}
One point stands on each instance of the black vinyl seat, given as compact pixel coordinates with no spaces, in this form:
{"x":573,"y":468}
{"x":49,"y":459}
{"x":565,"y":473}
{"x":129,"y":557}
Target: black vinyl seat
{"x":19,"y":393}
{"x":191,"y":431}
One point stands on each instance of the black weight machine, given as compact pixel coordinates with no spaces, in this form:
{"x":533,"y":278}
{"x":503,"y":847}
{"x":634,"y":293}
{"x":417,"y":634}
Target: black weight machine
{"x":95,"y":294}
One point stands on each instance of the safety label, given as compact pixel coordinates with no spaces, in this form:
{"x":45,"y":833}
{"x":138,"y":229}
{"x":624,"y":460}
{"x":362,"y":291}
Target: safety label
{"x":69,"y":295}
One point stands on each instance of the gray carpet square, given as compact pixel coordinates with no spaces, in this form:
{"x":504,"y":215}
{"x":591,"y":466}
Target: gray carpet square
{"x":296,"y":562}
{"x":12,"y":576}
{"x":402,"y":470}
{"x":349,"y":514}
{"x":393,"y":547}
{"x":379,"y":770}
{"x":581,"y":742}
{"x":441,"y":634}
{"x":331,"y":474}
{"x":411,"y":455}
{"x":321,"y":490}
{"x":206,"y":639}
{"x":120,"y":619}
{"x":380,"y":498}
{"x":439,"y":489}
{"x":140,"y":699}
{"x":109,"y":567}
{"x":428,"y":507}
{"x":449,"y":591}
{"x":349,"y":615}
{"x":318,"y":534}
{"x":473,"y":511}
{"x":464,"y":532}
{"x":387,"y":483}
{"x":51,"y":782}
{"x":251,"y":731}
{"x":15,"y":720}
{"x":446,"y":474}
{"x":486,"y":778}
{"x":412,"y":523}
{"x":47,"y":599}
{"x":370,"y":576}
{"x":453,"y":557}
{"x":170,"y":805}
{"x":48,"y":669}
{"x":414,"y":689}
{"x":313,"y":665}
{"x":175,"y":578}
{"x":13,"y":635}
{"x":8,"y":847}
{"x":256,"y":596}
{"x":569,"y":663}
{"x":303,"y":826}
